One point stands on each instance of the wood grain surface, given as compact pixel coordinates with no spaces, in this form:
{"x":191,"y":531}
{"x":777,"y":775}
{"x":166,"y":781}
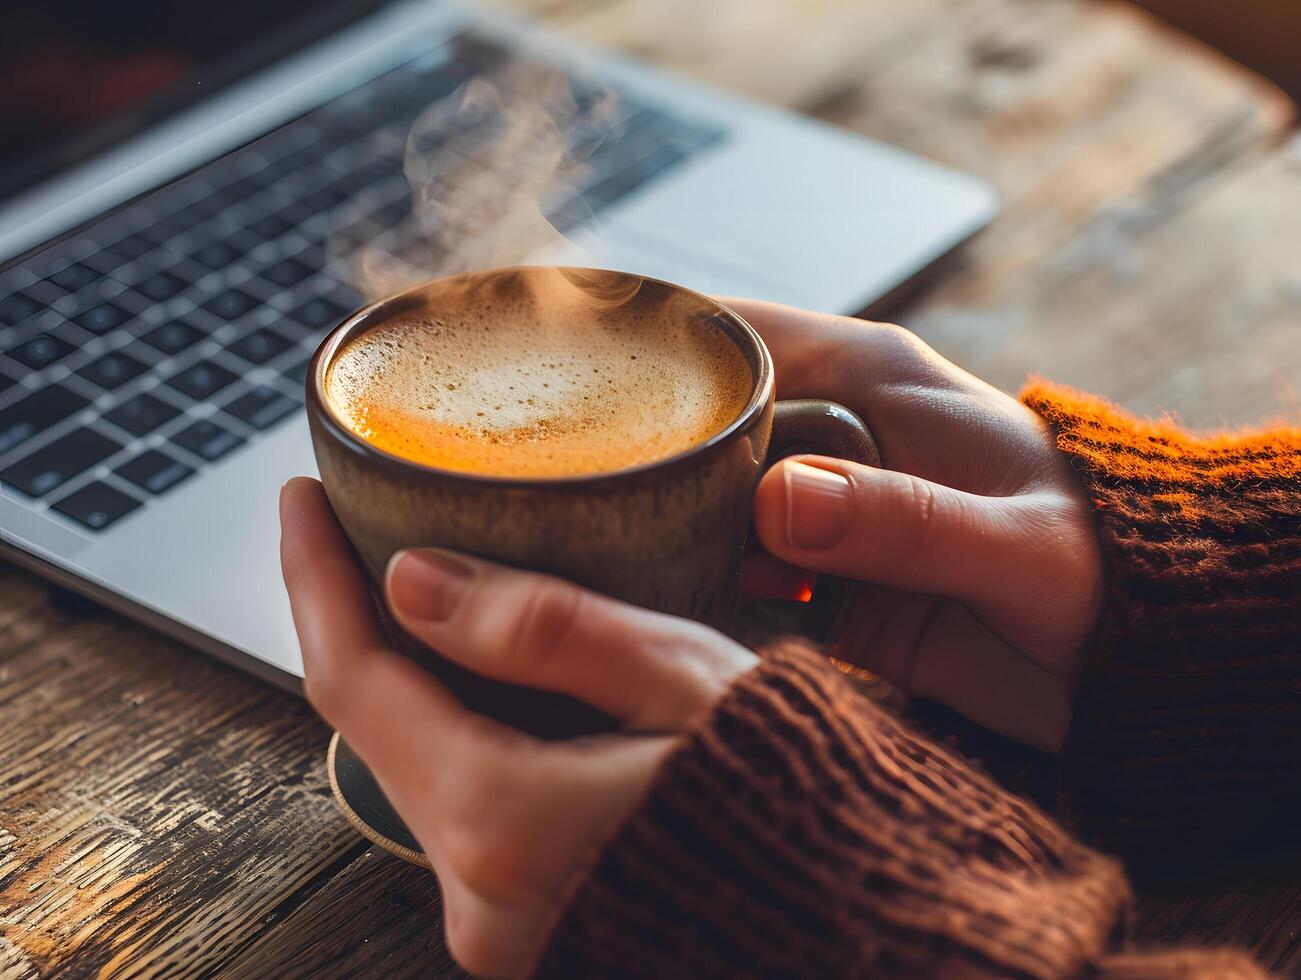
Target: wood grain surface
{"x":163,"y":815}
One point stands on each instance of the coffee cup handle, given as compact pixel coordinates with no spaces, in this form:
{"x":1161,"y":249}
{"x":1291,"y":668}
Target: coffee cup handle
{"x":812,"y":425}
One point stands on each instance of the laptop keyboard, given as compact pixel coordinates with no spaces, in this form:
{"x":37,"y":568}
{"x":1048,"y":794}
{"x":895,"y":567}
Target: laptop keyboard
{"x":175,"y":331}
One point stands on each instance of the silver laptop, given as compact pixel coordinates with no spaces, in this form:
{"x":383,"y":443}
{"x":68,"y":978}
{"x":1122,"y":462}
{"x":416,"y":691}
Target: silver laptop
{"x":164,"y":276}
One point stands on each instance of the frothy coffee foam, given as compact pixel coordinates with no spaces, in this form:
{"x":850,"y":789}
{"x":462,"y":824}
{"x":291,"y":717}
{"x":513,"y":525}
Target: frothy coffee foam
{"x":515,"y":395}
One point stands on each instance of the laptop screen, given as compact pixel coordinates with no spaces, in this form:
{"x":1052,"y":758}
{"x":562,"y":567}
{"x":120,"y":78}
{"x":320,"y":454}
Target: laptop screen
{"x":77,"y":76}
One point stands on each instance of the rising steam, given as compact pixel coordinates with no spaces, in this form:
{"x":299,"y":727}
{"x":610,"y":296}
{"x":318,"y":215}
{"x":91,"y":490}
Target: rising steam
{"x":487,"y":165}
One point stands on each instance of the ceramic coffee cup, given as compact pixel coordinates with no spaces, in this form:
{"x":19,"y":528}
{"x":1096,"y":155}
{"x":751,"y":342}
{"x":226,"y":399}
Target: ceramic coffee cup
{"x":667,"y":535}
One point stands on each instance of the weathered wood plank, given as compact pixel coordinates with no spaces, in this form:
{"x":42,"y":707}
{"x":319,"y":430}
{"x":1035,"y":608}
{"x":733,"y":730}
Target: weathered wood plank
{"x":1258,"y":910}
{"x":157,"y":810}
{"x":379,"y":918}
{"x":1197,"y":314}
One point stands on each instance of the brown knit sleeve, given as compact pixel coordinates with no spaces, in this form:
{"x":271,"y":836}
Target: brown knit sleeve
{"x":803,"y":831}
{"x":1186,"y":736}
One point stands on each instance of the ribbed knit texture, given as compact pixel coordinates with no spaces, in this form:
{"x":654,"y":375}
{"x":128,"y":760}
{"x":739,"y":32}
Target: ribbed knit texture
{"x":1186,"y":739}
{"x":804,"y":831}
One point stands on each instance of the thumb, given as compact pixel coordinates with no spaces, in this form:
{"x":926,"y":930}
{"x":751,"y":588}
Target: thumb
{"x":894,"y":529}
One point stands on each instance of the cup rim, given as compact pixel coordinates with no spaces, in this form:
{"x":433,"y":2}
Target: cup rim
{"x":760,"y":394}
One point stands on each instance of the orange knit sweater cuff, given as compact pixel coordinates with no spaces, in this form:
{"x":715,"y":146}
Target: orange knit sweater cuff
{"x":803,"y":831}
{"x":1186,"y":738}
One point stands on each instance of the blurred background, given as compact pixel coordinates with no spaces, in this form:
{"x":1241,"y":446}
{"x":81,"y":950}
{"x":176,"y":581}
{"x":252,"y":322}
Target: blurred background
{"x":1113,"y":131}
{"x":1263,"y":34}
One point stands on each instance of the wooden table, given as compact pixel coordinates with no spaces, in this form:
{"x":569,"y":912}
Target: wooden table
{"x":160,"y":813}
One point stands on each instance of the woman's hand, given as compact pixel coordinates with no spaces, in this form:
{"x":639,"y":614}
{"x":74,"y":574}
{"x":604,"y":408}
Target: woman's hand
{"x":509,"y":822}
{"x":975,"y":542}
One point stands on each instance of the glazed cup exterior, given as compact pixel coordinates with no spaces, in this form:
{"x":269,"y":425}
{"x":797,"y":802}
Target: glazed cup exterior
{"x":667,"y":535}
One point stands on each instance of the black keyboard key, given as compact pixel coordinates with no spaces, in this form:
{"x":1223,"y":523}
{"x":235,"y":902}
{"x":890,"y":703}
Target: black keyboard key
{"x":354,"y":233}
{"x":161,"y":286}
{"x":158,"y":232}
{"x":17,"y":307}
{"x":320,"y":312}
{"x":259,"y":346}
{"x":6,"y":382}
{"x":323,"y":200}
{"x":74,"y":276}
{"x":174,"y":337}
{"x":231,"y":305}
{"x":131,"y":247}
{"x":193,"y":215}
{"x":96,"y":505}
{"x":207,"y":439}
{"x":154,"y":471}
{"x":295,"y":212}
{"x":297,"y":373}
{"x":351,"y":184}
{"x":393,"y":213}
{"x":175,"y":223}
{"x":41,"y":351}
{"x":261,"y":408}
{"x":36,"y":413}
{"x":202,"y":380}
{"x":272,"y":172}
{"x":238,"y":190}
{"x":54,"y":465}
{"x":270,"y":227}
{"x":142,"y":414}
{"x":290,"y":272}
{"x":290,"y":163}
{"x":217,"y":255}
{"x":103,"y":261}
{"x":113,"y":370}
{"x":212,"y":204}
{"x":261,"y":178}
{"x":101,"y":319}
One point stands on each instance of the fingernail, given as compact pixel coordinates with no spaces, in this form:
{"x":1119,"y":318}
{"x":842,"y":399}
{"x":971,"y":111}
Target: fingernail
{"x":281,"y":503}
{"x":427,"y":585}
{"x":817,"y":506}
